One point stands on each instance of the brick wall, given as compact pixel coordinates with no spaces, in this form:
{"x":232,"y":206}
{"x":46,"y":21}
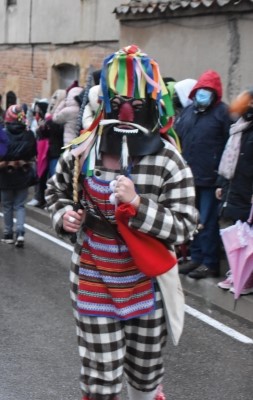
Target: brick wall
{"x":27,"y":71}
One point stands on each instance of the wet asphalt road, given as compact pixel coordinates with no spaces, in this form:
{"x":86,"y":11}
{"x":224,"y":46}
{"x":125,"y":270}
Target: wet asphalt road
{"x":38,"y":351}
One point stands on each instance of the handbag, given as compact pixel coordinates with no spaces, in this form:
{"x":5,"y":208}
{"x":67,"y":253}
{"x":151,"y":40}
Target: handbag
{"x":150,"y":255}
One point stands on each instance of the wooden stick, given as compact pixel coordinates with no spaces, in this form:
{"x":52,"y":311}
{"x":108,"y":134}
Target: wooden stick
{"x":76,"y":204}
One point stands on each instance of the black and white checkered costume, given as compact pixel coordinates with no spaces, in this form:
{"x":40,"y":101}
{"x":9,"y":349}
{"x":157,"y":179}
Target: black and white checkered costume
{"x":166,"y":211}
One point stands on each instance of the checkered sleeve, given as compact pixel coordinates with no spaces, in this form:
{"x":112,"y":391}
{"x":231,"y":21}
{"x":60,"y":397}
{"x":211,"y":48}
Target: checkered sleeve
{"x":59,"y":191}
{"x":166,"y":188}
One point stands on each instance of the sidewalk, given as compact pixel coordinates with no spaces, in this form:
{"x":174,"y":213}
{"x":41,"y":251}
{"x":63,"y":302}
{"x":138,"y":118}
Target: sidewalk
{"x":205,"y":290}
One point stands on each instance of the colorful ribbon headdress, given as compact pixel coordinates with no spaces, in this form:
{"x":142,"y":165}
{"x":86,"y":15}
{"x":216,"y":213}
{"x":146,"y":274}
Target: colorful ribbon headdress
{"x":131,"y":73}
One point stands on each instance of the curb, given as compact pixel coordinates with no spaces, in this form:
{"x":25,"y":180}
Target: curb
{"x":207,"y":291}
{"x":38,"y":214}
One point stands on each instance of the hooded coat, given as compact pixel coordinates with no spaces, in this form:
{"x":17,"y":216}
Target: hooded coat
{"x":203,"y":135}
{"x":92,"y":106}
{"x":51,"y":130}
{"x":20,"y":153}
{"x":183,"y":89}
{"x":67,"y":114}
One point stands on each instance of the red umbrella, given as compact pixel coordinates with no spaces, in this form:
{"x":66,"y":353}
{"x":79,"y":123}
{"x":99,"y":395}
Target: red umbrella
{"x":238,"y":244}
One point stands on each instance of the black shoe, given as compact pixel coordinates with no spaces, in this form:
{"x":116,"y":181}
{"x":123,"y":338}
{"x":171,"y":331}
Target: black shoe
{"x":7,"y":239}
{"x":41,"y":205}
{"x":203,"y":272}
{"x":188,"y":267}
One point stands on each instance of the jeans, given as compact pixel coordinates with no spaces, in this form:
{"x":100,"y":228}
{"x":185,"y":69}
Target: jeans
{"x":52,"y":167}
{"x":14,"y":200}
{"x":205,"y":247}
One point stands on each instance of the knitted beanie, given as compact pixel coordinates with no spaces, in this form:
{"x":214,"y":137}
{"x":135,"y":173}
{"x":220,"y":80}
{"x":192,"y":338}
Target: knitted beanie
{"x":15,"y":114}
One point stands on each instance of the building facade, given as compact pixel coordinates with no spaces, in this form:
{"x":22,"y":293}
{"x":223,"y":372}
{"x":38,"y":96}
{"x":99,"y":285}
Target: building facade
{"x":188,"y":37}
{"x":46,"y":44}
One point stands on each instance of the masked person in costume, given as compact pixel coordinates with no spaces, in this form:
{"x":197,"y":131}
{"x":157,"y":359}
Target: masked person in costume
{"x":125,"y":162}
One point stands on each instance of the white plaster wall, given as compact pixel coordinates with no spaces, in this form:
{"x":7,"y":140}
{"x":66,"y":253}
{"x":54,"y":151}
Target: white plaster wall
{"x":59,"y":21}
{"x":14,"y":22}
{"x":186,"y":47}
{"x":246,"y":56}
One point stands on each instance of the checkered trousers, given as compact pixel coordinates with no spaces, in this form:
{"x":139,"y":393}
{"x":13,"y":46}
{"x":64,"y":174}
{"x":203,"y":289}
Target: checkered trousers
{"x":110,"y":348}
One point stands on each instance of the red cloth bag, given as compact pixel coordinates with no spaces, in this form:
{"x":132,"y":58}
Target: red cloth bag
{"x":150,"y":255}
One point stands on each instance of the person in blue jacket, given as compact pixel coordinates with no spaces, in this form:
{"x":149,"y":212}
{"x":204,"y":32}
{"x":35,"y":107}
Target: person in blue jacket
{"x":18,"y":150}
{"x":203,"y":128}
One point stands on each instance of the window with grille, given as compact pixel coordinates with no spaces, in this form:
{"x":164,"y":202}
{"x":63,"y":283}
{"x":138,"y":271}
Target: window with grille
{"x":63,"y":75}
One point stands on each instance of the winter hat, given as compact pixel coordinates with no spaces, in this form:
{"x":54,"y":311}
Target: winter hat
{"x":131,"y":73}
{"x":210,"y":80}
{"x":183,"y":89}
{"x":15,"y":114}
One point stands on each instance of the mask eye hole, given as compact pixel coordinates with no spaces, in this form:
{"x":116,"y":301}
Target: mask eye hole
{"x":115,"y":102}
{"x":138,"y":104}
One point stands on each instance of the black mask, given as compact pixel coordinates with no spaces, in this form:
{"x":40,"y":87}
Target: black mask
{"x":137,"y":111}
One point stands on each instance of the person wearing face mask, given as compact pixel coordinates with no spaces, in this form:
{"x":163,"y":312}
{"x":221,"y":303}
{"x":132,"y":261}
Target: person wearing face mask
{"x":236,"y":175}
{"x":203,"y":129}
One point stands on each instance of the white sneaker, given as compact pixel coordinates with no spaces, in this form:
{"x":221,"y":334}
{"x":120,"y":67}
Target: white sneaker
{"x":227,"y":283}
{"x":20,"y":241}
{"x":244,"y":291}
{"x":32,"y":202}
{"x":247,"y":288}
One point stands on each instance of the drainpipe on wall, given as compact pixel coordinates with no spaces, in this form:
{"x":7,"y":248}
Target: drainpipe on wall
{"x":234,"y":48}
{"x":30,"y":37}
